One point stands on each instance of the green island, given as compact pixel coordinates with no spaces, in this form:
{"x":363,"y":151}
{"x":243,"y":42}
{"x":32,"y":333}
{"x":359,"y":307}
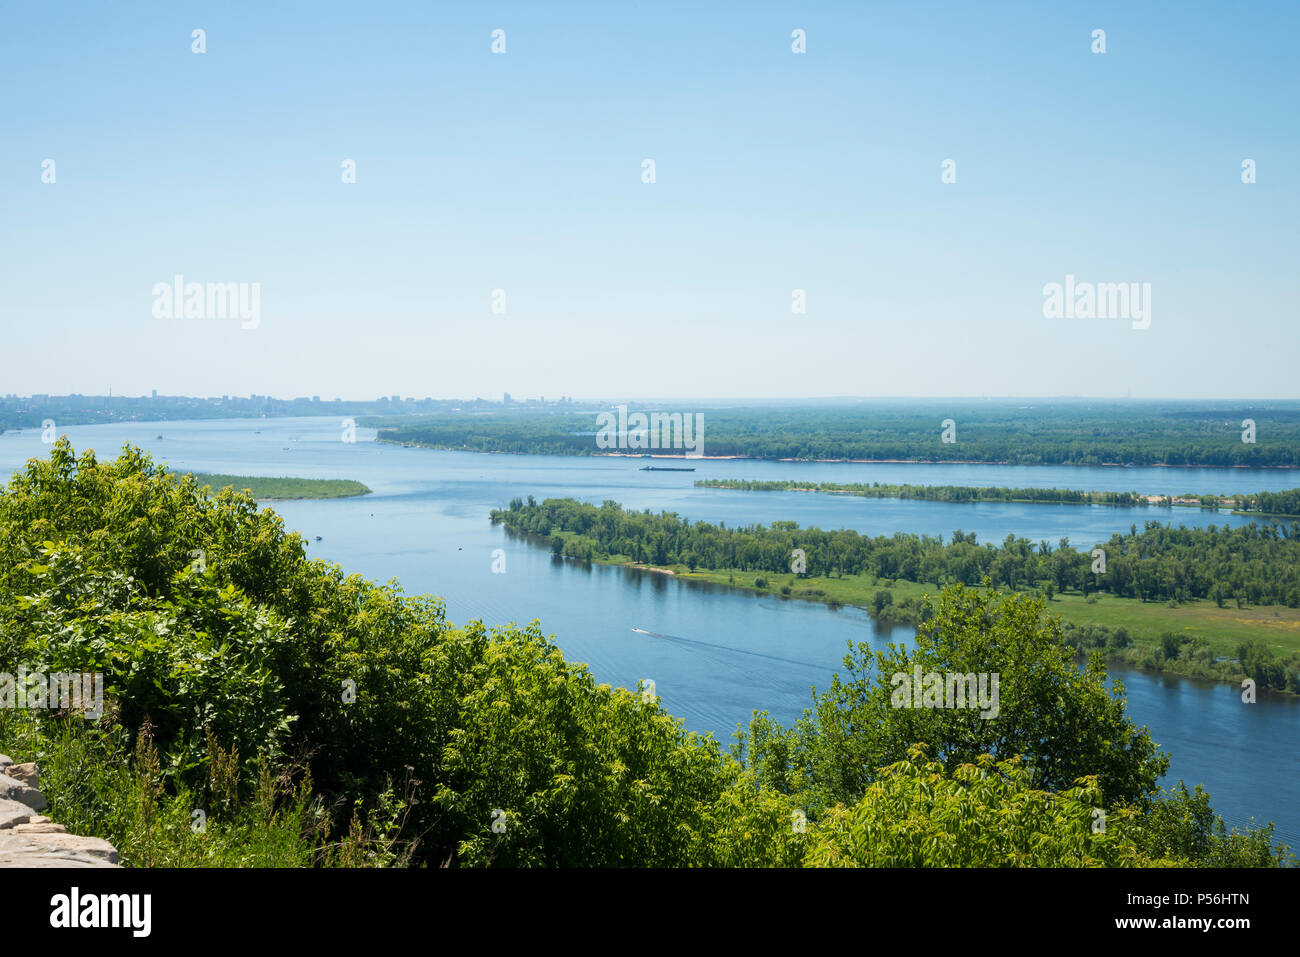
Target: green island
{"x":1056,"y":432}
{"x":1285,"y":504}
{"x":324,"y":720}
{"x":268,"y":489}
{"x":1216,"y":603}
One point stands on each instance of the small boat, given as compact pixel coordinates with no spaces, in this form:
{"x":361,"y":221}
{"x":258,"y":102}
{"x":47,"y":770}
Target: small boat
{"x":641,"y":631}
{"x":663,"y":468}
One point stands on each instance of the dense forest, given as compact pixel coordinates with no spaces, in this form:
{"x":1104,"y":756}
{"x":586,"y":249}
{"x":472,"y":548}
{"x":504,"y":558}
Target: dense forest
{"x":320,"y":719}
{"x":1254,"y":564}
{"x":1070,"y":433}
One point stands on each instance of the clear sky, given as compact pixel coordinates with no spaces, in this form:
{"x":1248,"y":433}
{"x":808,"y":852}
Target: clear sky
{"x":774,"y":171}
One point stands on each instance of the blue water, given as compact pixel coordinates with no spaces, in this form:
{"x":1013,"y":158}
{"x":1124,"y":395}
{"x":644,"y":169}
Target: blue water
{"x":714,"y":654}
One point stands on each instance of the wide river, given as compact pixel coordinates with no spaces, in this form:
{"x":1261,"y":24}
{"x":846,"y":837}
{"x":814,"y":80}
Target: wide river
{"x":715,"y":655}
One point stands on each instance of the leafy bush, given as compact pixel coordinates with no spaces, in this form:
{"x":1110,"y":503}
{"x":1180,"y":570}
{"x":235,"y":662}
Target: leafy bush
{"x":1181,"y":824}
{"x":287,"y":663}
{"x":983,"y":814}
{"x":1062,"y":719}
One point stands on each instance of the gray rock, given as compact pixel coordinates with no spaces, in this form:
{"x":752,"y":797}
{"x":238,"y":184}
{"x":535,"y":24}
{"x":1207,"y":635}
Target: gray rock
{"x":11,"y":790}
{"x":18,"y":849}
{"x":27,"y":773}
{"x":54,"y":850}
{"x":12,"y":814}
{"x":5,"y":761}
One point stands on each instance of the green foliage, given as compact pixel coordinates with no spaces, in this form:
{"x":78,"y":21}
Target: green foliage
{"x":586,"y":775}
{"x":985,"y":813}
{"x":1159,"y":563}
{"x":1182,"y":825}
{"x":1277,"y":503}
{"x":1061,"y":719}
{"x":322,"y":719}
{"x":937,"y":493}
{"x":254,"y":652}
{"x":96,"y":786}
{"x":266,"y":488}
{"x":1267,"y":503}
{"x":1064,"y":433}
{"x":1259,"y":663}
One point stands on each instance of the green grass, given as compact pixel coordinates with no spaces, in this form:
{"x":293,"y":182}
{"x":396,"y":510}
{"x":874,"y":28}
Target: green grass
{"x":1224,"y":629}
{"x":266,"y":488}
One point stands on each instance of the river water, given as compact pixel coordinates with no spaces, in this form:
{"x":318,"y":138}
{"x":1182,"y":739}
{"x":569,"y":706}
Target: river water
{"x":714,"y":654}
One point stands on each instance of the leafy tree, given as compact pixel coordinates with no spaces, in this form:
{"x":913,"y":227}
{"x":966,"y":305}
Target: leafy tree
{"x":1060,"y":718}
{"x":283,"y":661}
{"x":983,"y":814}
{"x":1182,"y":825}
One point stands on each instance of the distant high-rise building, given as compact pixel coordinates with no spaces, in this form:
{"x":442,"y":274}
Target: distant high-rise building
{"x":154,"y":394}
{"x":506,"y":400}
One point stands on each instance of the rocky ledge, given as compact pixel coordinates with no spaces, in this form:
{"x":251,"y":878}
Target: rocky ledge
{"x":28,"y":839}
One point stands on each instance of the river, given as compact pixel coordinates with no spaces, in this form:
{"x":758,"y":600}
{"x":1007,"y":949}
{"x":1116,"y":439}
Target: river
{"x":714,"y":654}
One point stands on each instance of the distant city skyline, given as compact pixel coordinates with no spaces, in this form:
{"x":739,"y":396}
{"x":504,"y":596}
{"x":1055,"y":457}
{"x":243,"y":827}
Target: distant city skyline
{"x":685,"y":201}
{"x":511,"y":399}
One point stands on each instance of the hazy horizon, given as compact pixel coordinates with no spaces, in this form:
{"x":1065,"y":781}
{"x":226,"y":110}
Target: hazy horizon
{"x":518,"y":398}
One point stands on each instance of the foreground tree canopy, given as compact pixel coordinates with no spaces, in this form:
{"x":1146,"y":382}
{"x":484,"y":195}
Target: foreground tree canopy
{"x":317,"y":717}
{"x":1059,"y":718}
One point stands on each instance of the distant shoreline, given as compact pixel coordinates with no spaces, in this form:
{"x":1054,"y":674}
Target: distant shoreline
{"x":751,"y":458}
{"x":1001,"y":495}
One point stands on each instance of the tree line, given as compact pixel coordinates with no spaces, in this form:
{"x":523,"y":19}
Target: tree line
{"x":1267,"y":503}
{"x":938,"y":493}
{"x":1119,"y":433}
{"x":1255,"y":564}
{"x":1275,"y":503}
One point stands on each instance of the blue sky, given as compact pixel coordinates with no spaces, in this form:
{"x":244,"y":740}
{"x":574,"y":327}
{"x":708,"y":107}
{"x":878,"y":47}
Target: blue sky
{"x":774,"y":172}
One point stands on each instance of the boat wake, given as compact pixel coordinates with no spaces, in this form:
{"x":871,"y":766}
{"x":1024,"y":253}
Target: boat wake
{"x":739,"y":651}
